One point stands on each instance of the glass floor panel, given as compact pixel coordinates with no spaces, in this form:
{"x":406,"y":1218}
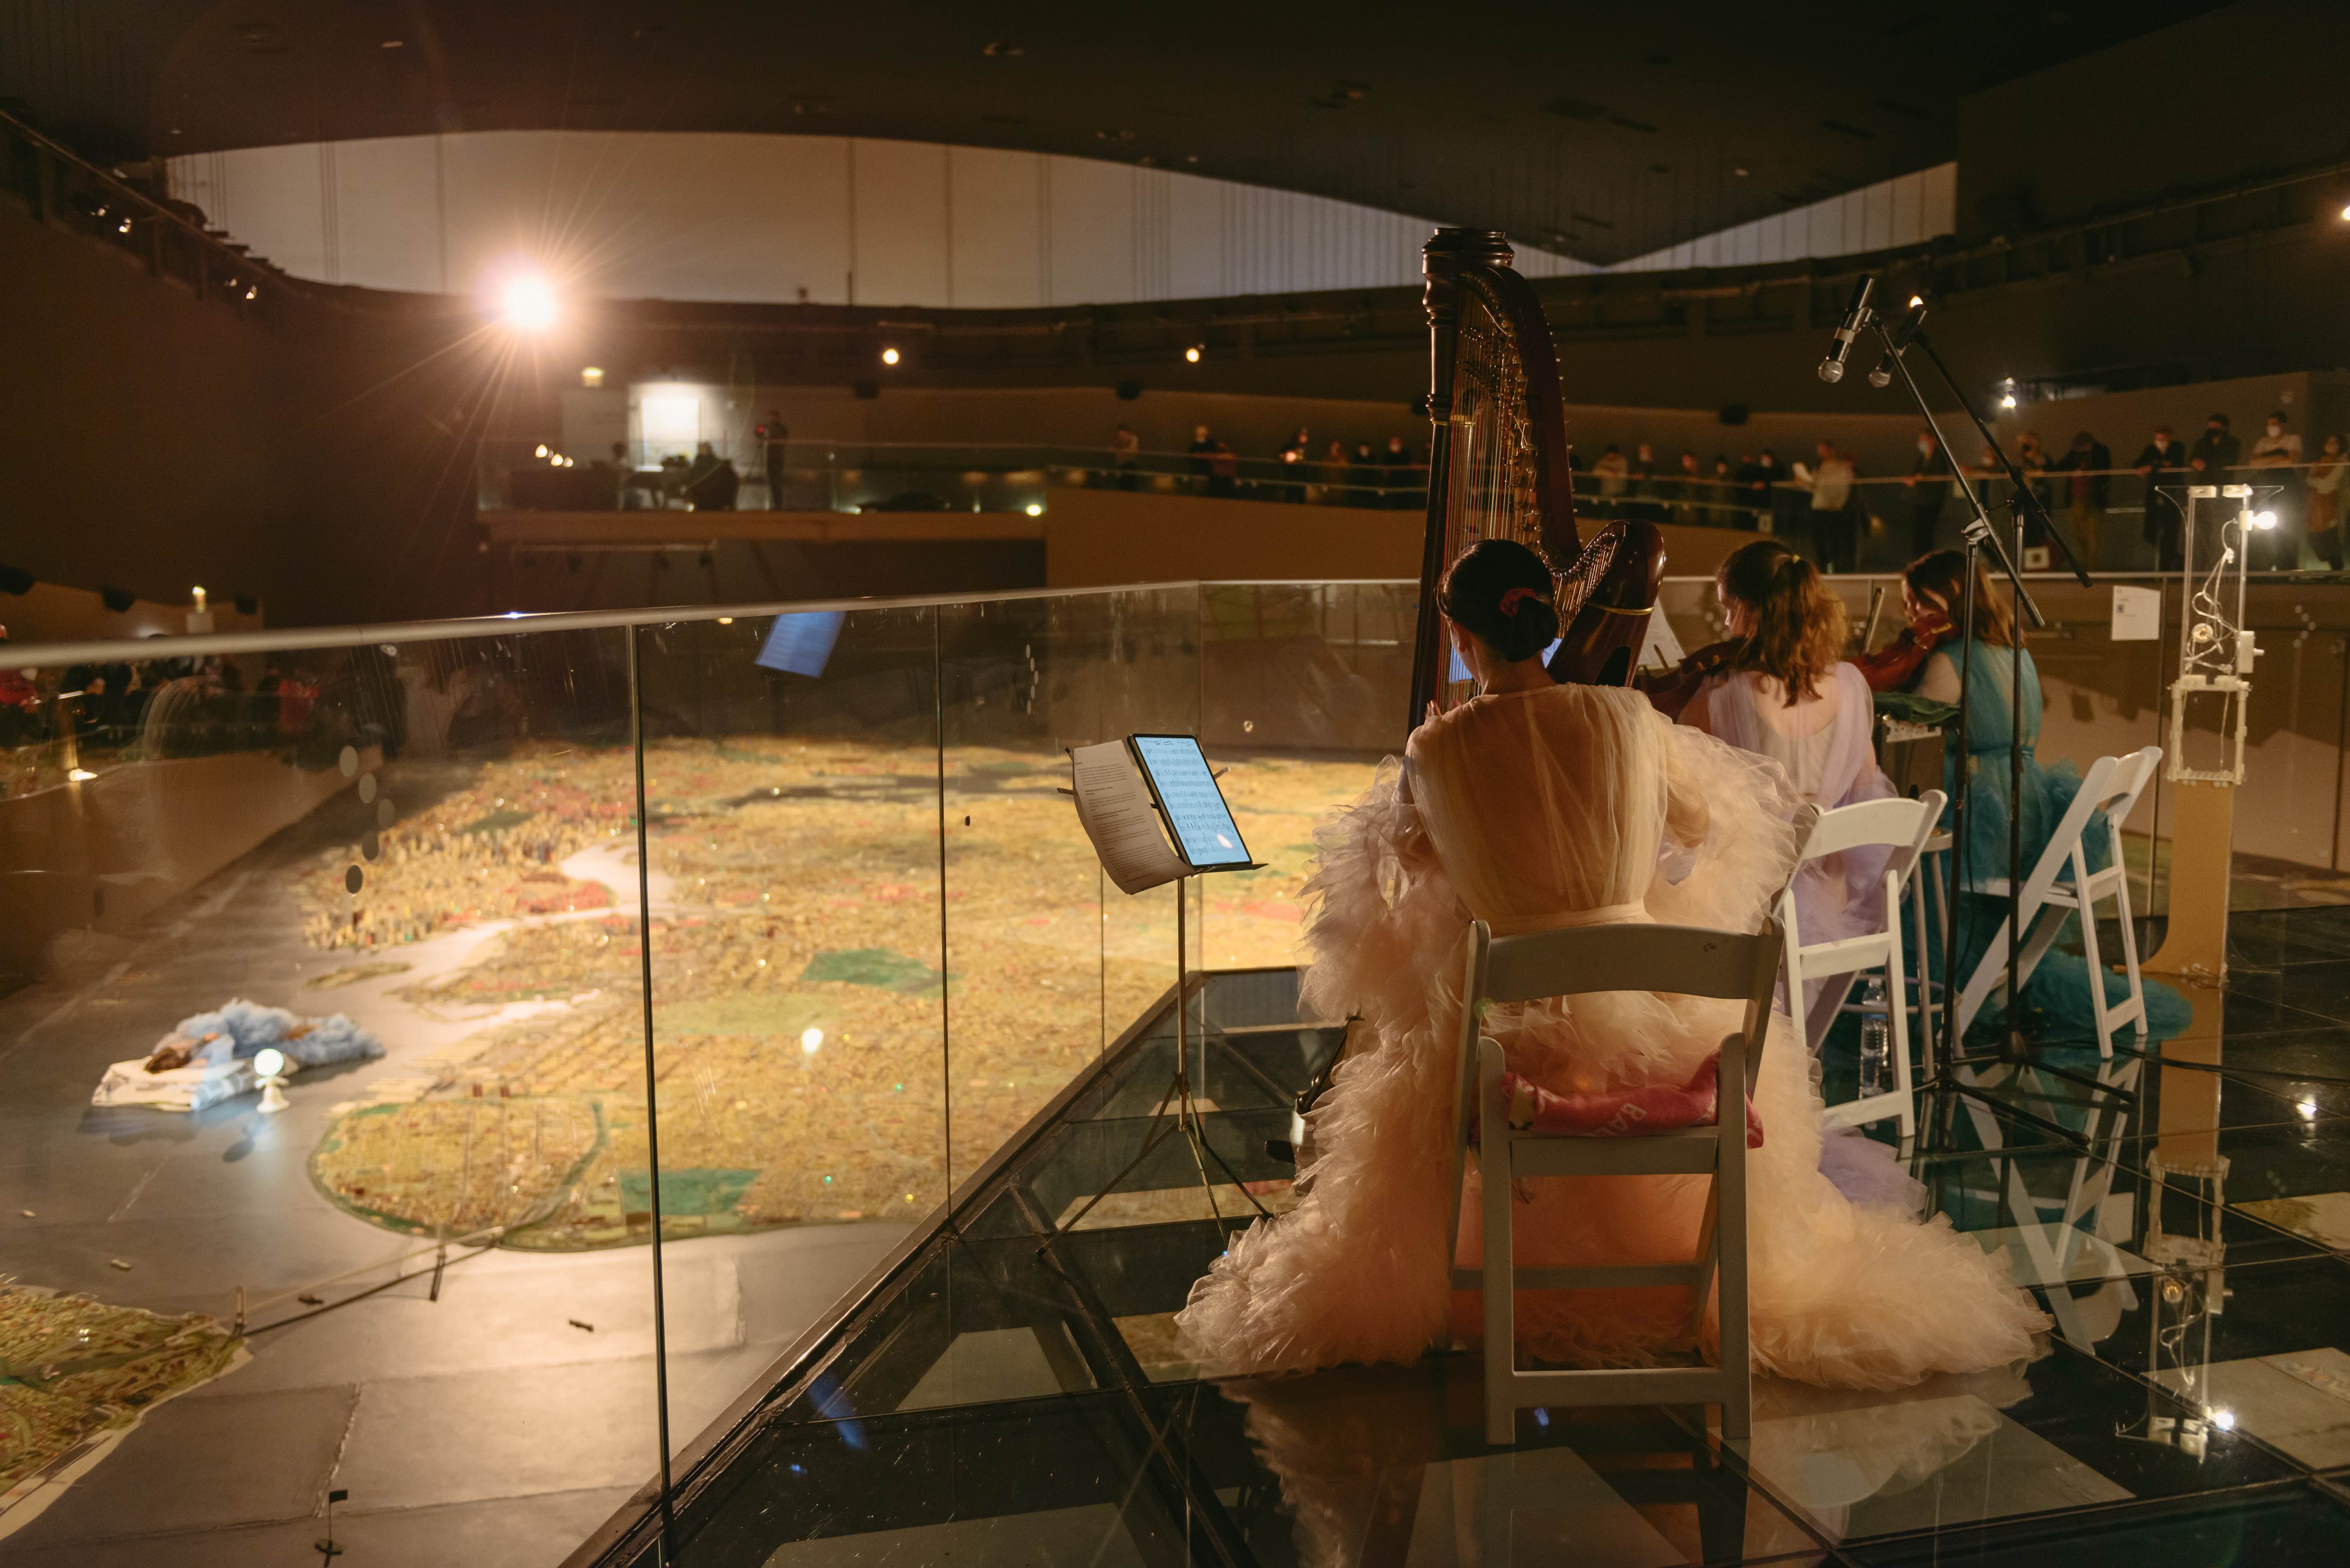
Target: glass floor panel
{"x":1015,"y":1392}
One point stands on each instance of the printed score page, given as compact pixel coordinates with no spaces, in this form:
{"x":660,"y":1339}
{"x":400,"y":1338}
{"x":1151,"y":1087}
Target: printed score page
{"x":1115,"y":808}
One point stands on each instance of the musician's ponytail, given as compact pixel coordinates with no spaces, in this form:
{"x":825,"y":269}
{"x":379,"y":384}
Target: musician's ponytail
{"x":1503,"y":592}
{"x":1800,"y":625}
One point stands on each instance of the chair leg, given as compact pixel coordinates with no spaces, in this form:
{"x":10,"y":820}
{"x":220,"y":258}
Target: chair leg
{"x":1500,"y":1264}
{"x":1737,"y":1355}
{"x":2129,"y":942}
{"x":2101,"y":1005}
{"x":1925,"y":967}
{"x":1709,"y":1244}
{"x":1897,"y":1016}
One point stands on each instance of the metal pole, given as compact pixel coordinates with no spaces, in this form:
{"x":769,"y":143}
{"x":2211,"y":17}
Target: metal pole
{"x":652,"y":1105}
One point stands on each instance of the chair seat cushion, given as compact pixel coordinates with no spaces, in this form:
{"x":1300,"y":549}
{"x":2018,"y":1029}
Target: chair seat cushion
{"x":1624,"y":1113}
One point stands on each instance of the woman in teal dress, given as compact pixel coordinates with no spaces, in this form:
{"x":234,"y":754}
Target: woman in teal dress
{"x":2058,"y":989}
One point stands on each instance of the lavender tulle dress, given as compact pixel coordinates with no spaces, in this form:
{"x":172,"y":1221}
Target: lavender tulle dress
{"x":1534,"y":811}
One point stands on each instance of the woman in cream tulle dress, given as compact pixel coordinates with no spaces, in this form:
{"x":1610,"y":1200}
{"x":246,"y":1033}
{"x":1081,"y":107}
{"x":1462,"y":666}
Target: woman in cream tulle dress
{"x":1537,"y":806}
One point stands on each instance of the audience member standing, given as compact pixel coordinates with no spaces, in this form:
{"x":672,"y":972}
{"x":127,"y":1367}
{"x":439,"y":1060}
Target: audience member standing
{"x":2216,"y":450}
{"x":1334,"y":473}
{"x":2325,"y":493}
{"x":1930,"y":486}
{"x":2278,"y":455}
{"x":1124,"y":447}
{"x":773,"y":437}
{"x":1203,"y":454}
{"x":2085,"y":464}
{"x":1689,"y":487}
{"x":2162,"y":463}
{"x":1400,"y":478}
{"x":1645,"y":487}
{"x":1833,"y":538}
{"x":1611,"y":471}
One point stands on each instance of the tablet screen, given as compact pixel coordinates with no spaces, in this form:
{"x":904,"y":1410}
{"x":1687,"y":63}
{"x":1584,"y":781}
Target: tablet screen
{"x":1203,"y":823}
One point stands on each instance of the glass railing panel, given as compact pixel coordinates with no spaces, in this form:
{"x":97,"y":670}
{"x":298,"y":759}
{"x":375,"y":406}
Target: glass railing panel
{"x":798,"y":985}
{"x":1306,"y":686}
{"x":1042,"y":962}
{"x":326,"y":1072}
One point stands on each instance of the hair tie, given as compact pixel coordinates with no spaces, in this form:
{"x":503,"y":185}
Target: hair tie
{"x":1513,"y":597}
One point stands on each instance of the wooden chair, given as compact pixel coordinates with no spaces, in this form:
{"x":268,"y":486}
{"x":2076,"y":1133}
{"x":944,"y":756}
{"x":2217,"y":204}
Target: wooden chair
{"x":2061,"y":886}
{"x":1903,"y":827}
{"x":1679,"y":959}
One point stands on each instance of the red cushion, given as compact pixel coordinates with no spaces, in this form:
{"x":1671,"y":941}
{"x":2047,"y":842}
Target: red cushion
{"x":1624,"y":1113}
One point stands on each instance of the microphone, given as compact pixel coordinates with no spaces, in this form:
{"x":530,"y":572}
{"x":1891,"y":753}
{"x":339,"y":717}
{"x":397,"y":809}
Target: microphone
{"x":1903,"y":335}
{"x":1856,"y":316}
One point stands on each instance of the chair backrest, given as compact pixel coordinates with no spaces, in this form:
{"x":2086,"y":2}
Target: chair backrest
{"x":2111,"y":786}
{"x":1902,"y":826}
{"x":1683,"y":961}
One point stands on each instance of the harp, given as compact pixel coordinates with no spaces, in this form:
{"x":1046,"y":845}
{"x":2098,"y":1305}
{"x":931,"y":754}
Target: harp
{"x":1497,"y":468}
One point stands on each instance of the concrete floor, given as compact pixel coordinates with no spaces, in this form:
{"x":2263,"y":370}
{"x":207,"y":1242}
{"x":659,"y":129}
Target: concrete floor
{"x":483,"y":1427}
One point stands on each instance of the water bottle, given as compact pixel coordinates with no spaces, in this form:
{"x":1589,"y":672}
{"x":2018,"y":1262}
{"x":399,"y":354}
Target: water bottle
{"x":1876,"y":1039}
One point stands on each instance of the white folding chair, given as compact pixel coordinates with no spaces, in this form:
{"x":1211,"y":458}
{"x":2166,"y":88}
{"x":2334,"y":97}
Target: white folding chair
{"x":1902,"y":828}
{"x":1681,"y":960}
{"x":2061,"y":886}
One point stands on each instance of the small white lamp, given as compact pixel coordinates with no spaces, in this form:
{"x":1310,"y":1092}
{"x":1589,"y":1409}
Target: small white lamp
{"x":270,"y":1063}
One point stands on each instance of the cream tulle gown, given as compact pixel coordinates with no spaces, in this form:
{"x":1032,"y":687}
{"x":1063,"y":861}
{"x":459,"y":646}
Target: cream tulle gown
{"x":1568,"y":805}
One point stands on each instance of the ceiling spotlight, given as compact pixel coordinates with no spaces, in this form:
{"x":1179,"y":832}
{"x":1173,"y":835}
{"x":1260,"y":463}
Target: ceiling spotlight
{"x":591,"y":375}
{"x":1915,"y":300}
{"x":123,"y":227}
{"x":527,"y":303}
{"x":1034,"y":509}
{"x":1191,"y":355}
{"x":2345,"y":215}
{"x":2007,"y":400}
{"x":541,"y":450}
{"x":889,"y":356}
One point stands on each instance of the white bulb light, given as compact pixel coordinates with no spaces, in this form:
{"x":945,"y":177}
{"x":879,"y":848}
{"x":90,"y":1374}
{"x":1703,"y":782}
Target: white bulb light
{"x":2263,"y":519}
{"x":2224,"y":1419}
{"x":1036,"y":510}
{"x":2007,"y":401}
{"x":1191,"y":355}
{"x":541,"y":451}
{"x":812,"y":1040}
{"x":889,"y":356}
{"x":527,"y":302}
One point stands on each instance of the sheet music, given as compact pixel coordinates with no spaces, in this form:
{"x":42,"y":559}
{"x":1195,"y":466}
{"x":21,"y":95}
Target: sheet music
{"x":1196,"y":811}
{"x":1659,"y":647}
{"x":1115,"y":808}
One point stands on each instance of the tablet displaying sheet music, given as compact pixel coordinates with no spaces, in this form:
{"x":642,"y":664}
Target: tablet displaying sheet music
{"x":1195,"y":807}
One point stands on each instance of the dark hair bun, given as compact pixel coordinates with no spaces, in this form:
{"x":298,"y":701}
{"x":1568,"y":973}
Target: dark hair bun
{"x":1488,"y":575}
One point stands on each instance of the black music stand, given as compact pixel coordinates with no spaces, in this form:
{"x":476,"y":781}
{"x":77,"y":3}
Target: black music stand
{"x":1116,"y":805}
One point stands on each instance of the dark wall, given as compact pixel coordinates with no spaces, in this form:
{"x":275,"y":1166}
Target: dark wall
{"x":2252,"y":89}
{"x":144,"y":434}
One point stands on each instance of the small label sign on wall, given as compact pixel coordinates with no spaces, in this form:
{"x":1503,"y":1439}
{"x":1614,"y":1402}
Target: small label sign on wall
{"x":2138,"y":614}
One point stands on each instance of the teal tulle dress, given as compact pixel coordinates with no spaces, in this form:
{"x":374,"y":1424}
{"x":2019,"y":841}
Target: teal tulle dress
{"x":2056,"y":998}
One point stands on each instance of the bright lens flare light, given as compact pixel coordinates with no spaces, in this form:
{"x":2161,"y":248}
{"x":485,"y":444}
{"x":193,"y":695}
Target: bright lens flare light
{"x":812,"y":1040}
{"x":527,"y":303}
{"x":1034,"y":510}
{"x":1191,"y":355}
{"x":889,"y":356}
{"x":2007,"y":401}
{"x":2224,"y":1419}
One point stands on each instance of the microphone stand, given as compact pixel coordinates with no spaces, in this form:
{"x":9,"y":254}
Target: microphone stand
{"x":1979,"y":536}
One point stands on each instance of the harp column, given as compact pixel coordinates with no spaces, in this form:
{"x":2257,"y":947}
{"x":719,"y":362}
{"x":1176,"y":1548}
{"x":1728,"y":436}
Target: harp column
{"x":1440,"y":261}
